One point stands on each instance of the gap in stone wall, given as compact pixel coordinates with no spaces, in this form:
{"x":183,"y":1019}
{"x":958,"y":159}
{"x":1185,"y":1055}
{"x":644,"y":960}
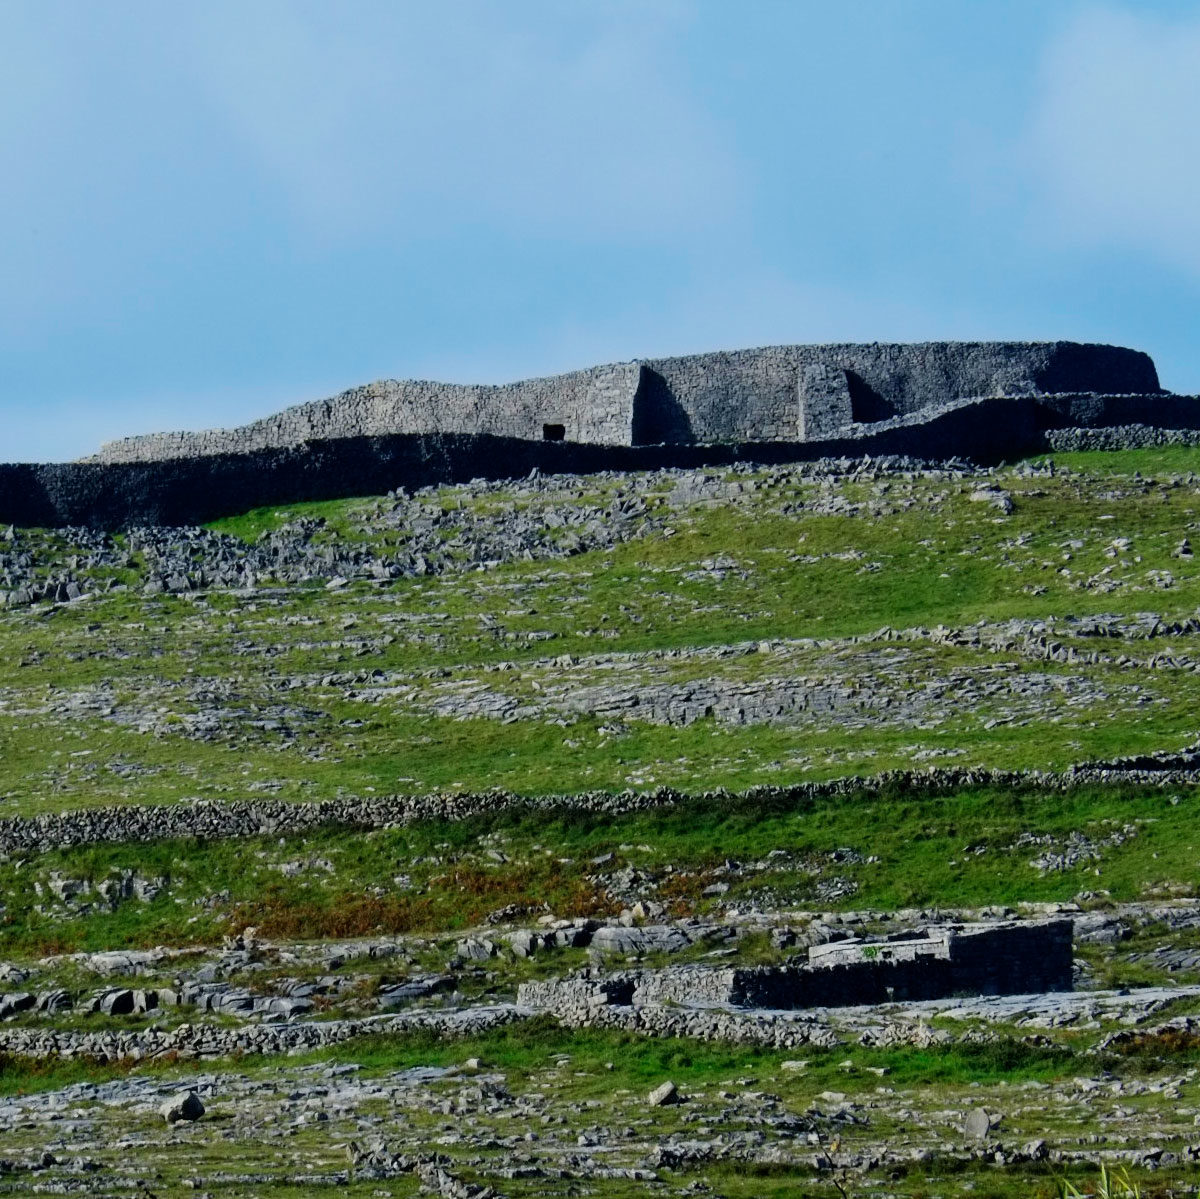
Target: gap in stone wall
{"x":866,"y":404}
{"x":658,"y":416}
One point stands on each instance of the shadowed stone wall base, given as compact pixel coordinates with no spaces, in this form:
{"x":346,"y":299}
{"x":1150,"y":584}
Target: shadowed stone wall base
{"x":193,"y":490}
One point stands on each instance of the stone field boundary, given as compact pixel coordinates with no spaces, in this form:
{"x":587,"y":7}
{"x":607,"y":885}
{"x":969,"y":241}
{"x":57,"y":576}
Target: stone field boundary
{"x":217,"y":820}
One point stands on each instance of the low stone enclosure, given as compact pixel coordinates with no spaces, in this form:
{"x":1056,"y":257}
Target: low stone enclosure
{"x":984,"y":401}
{"x":1011,"y":958}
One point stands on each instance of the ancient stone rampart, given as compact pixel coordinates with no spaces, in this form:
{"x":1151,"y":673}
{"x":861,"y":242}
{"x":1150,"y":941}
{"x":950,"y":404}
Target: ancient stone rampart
{"x":774,"y":393}
{"x":984,"y":401}
{"x":194,"y":490}
{"x":805,"y":393}
{"x":593,"y":406}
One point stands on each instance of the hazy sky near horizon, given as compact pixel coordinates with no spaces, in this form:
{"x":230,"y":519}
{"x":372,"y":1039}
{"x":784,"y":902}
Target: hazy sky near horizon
{"x":211,"y":211}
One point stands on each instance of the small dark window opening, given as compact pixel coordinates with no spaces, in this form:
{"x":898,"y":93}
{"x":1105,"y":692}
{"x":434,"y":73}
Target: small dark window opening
{"x":554,"y":432}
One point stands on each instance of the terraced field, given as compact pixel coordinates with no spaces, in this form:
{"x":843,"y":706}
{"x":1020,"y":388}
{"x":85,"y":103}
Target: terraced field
{"x":733,"y":713}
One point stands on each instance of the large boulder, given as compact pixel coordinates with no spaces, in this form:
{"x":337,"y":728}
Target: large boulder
{"x":183,"y":1107}
{"x":117,"y":1002}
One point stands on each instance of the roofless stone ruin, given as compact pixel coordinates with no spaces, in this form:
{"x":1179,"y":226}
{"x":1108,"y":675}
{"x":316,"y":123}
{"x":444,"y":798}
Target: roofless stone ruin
{"x":983,"y":401}
{"x":1004,"y":958}
{"x":778,"y":393}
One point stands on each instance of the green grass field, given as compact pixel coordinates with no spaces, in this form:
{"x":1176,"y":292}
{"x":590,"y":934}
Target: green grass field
{"x":894,"y":594}
{"x":321,"y":693}
{"x":969,"y":848}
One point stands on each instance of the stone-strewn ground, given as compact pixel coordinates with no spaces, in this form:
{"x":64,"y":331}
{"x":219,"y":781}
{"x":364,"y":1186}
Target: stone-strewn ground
{"x":673,"y":627}
{"x":293,"y":807}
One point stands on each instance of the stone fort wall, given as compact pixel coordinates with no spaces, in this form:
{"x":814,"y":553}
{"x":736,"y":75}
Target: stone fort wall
{"x":806,"y":393}
{"x":772,"y":405}
{"x":193,"y":489}
{"x":778,"y":393}
{"x":592,"y":406}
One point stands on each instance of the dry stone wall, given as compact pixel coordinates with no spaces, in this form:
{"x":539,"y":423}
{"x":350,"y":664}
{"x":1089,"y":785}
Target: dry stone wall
{"x":187,"y":1041}
{"x":768,"y":406}
{"x":775,"y":393}
{"x":1119,"y":437}
{"x":134,"y":823}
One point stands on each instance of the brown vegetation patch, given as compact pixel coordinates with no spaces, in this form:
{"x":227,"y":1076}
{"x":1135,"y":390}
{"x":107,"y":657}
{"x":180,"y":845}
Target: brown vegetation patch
{"x":460,"y":898}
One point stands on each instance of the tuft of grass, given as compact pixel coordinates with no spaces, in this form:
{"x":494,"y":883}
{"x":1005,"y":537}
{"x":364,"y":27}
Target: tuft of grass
{"x":1115,"y":1185}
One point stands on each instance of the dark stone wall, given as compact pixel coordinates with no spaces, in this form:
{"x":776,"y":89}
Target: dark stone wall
{"x":1089,"y":410}
{"x":847,"y":984}
{"x":1072,"y":366}
{"x":1012,"y":961}
{"x":1003,"y":961}
{"x":193,"y":490}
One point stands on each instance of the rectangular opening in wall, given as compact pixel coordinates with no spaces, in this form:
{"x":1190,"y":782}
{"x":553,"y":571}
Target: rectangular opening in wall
{"x":554,"y":432}
{"x":866,"y":404}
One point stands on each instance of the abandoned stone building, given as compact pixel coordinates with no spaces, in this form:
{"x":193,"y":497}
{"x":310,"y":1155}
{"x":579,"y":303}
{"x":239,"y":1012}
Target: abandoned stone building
{"x":1004,"y":958}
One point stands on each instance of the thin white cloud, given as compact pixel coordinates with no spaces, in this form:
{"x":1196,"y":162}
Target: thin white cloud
{"x":416,"y":119}
{"x":1116,"y":133}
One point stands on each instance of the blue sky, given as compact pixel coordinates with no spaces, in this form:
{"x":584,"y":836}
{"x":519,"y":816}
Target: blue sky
{"x":212,"y":210}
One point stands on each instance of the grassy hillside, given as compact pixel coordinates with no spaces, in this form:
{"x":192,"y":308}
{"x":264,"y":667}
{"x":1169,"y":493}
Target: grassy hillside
{"x":969,"y":848}
{"x":751,"y":582}
{"x":695,"y":629}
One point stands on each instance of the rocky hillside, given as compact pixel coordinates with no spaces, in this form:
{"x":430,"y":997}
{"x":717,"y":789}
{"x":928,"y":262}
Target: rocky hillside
{"x":688,"y":629}
{"x":292,"y":805}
